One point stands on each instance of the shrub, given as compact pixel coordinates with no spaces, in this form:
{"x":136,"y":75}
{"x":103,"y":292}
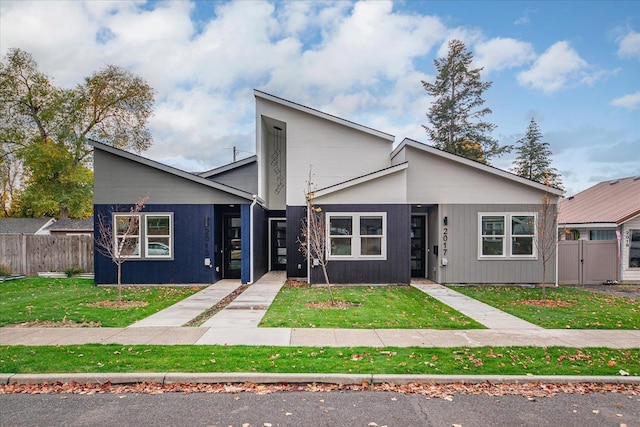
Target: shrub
{"x":5,"y":270}
{"x":73,"y":270}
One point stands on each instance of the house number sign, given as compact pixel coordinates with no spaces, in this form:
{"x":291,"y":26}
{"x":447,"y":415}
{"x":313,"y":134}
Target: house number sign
{"x":445,"y":243}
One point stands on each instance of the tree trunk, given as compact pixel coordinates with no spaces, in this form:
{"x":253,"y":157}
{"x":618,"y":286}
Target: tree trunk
{"x":544,"y":281}
{"x":326,"y":280}
{"x":119,"y":301}
{"x":64,"y":213}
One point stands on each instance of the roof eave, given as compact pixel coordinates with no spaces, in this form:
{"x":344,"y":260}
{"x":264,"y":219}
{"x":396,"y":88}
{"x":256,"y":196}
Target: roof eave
{"x":171,"y":170}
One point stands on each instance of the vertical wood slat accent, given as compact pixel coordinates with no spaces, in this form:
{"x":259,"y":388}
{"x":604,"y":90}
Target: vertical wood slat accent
{"x":29,"y":255}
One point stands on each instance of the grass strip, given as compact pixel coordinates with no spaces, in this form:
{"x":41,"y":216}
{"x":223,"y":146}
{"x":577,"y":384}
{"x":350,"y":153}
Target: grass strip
{"x":363,"y":307}
{"x":566,"y":307}
{"x":95,"y":358}
{"x":69,"y":302}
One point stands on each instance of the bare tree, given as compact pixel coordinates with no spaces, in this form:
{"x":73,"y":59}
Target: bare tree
{"x":119,"y":242}
{"x":313,"y":243}
{"x":547,"y":238}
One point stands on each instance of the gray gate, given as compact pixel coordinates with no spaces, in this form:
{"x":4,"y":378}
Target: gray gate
{"x":587,"y":262}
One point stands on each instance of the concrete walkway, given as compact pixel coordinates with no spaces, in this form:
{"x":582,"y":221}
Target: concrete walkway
{"x":189,"y":308}
{"x":237,"y":325}
{"x":482,"y":313}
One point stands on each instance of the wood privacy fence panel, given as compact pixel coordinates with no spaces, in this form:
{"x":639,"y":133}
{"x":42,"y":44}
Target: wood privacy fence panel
{"x":29,"y":255}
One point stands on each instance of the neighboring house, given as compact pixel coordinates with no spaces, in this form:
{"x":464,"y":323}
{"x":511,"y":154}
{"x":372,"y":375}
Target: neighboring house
{"x":608,"y":212}
{"x":391,"y":214}
{"x":72,"y":227}
{"x":32,"y":226}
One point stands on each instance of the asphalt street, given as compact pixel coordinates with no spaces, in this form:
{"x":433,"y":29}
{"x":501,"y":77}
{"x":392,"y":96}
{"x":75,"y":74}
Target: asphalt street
{"x":335,"y":409}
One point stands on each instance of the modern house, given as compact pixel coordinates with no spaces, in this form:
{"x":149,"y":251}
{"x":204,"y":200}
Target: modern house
{"x":392,"y":213}
{"x":600,"y":229}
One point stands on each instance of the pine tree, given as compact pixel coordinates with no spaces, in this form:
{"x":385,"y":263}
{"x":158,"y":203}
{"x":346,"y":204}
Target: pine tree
{"x":455,"y":115}
{"x":534,"y":158}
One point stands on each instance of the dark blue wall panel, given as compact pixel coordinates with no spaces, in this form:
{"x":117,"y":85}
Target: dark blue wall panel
{"x":395,"y":269}
{"x":245,"y":234}
{"x":193,"y":241}
{"x":260,"y":242}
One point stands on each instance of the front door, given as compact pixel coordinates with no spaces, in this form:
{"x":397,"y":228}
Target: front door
{"x":232,"y":247}
{"x":278,"y":244}
{"x":418,"y":251}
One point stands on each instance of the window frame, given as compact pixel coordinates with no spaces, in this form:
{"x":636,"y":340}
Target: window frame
{"x":163,"y":236}
{"x":356,"y":236}
{"x":632,"y":231}
{"x":143,"y":235}
{"x":508,"y":236}
{"x":117,"y":236}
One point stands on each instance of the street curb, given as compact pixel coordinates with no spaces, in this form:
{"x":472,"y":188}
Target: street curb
{"x":274,"y":378}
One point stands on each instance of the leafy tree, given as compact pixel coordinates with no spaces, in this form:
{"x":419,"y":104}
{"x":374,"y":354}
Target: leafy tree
{"x":47,"y":128}
{"x":455,"y":115}
{"x":534,"y":158}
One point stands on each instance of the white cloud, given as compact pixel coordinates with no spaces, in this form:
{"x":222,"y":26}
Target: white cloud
{"x":555,"y":69}
{"x":629,"y":46}
{"x":500,"y":53}
{"x":630,"y":101}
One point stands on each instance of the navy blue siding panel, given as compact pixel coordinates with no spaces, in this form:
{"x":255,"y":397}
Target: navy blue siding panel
{"x":245,"y":217}
{"x":395,"y":269}
{"x":260,"y":242}
{"x":192,"y":243}
{"x":295,"y":258}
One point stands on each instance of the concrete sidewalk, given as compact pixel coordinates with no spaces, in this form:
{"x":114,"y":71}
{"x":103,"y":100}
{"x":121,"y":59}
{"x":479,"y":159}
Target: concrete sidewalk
{"x":237,"y":325}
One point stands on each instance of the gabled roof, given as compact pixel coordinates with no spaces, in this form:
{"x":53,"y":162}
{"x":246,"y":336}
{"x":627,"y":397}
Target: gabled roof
{"x":361,"y":179}
{"x":322,"y":115}
{"x":225,"y":168}
{"x":24,"y":225}
{"x":614,"y":201}
{"x":474,"y":164}
{"x":171,"y":170}
{"x":72,"y":225}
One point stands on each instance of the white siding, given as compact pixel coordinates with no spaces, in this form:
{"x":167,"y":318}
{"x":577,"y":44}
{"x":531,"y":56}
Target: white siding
{"x":389,"y":189}
{"x":629,"y":274}
{"x":437,"y":180}
{"x":337,"y":152}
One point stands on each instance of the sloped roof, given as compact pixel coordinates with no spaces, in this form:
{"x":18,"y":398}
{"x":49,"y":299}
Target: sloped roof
{"x":474,"y":164}
{"x":312,"y":111}
{"x":23,"y":225}
{"x":361,"y":179}
{"x":614,"y":201}
{"x":230,"y":166}
{"x":72,"y":225}
{"x":170,"y":170}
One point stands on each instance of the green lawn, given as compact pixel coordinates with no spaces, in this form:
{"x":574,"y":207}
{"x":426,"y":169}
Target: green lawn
{"x":385,"y":307}
{"x":569,"y":307}
{"x":181,"y":358}
{"x":68,"y":301}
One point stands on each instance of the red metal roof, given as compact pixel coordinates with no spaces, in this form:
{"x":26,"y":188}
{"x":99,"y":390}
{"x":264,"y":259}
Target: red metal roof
{"x":614,"y":201}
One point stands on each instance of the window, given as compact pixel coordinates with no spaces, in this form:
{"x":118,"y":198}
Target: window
{"x":493,"y":234}
{"x":127,"y":230}
{"x":156,"y":235}
{"x":356,"y":235}
{"x":602,"y":235}
{"x":523,"y":230}
{"x":497,"y":240}
{"x":634,"y":249}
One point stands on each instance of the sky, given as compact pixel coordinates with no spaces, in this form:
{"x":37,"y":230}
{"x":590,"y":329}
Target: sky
{"x":572,"y":66}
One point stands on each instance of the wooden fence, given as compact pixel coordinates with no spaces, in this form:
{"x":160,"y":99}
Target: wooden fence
{"x":29,"y":255}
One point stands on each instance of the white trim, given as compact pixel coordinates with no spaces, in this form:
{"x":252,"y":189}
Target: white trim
{"x":507,"y":244}
{"x":588,"y":225}
{"x":146,"y":235}
{"x":116,"y":240}
{"x":355,"y":236}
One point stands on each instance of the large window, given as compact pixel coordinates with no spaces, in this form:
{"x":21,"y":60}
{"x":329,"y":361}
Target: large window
{"x":356,"y":235}
{"x":156,"y":232}
{"x":602,"y":235}
{"x":505,"y":235}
